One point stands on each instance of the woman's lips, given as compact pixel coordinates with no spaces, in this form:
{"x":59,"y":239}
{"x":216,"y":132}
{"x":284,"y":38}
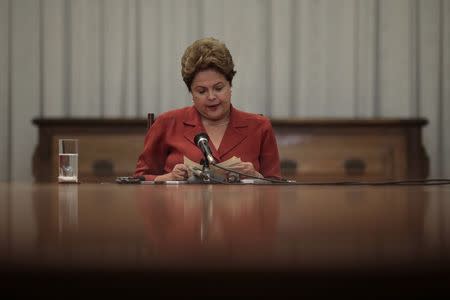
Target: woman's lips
{"x":212,"y":107}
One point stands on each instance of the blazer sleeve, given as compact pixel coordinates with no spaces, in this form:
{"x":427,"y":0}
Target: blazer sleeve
{"x":152,"y":160}
{"x":269,"y":159}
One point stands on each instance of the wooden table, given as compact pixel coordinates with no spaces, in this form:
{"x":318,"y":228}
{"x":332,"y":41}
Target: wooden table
{"x":224,"y":239}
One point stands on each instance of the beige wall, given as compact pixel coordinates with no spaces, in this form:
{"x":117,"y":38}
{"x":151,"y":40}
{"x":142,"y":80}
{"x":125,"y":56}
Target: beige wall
{"x":305,"y":58}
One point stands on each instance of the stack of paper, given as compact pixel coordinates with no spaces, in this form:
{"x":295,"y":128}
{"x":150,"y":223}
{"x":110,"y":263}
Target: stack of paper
{"x":215,"y":171}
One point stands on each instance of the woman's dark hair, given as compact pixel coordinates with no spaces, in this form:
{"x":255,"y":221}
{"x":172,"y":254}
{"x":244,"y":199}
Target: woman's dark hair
{"x":204,"y":54}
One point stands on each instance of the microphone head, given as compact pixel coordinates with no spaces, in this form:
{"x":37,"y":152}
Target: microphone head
{"x":200,"y":136}
{"x":201,"y":140}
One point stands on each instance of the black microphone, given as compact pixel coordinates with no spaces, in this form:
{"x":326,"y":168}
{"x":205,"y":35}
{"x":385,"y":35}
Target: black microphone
{"x":201,"y":140}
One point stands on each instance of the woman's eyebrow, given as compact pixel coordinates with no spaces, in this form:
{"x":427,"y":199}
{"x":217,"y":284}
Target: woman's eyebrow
{"x":204,"y":87}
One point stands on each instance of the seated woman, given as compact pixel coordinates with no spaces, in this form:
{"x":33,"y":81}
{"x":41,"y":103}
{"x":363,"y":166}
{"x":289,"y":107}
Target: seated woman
{"x":207,"y":69}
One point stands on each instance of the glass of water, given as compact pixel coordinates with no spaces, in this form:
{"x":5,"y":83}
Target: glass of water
{"x":68,"y":160}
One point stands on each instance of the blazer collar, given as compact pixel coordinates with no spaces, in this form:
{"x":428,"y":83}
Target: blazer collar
{"x":192,"y":124}
{"x":235,"y":133}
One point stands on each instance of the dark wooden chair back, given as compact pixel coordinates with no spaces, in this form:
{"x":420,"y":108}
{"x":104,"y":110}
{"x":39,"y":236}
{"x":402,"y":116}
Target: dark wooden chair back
{"x":150,"y":120}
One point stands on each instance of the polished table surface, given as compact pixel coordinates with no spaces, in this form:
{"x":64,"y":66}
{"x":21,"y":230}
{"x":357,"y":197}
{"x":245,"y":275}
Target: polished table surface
{"x":307,"y":231}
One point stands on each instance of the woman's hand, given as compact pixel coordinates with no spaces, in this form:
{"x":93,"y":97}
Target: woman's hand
{"x":179,"y":172}
{"x":247,"y":168}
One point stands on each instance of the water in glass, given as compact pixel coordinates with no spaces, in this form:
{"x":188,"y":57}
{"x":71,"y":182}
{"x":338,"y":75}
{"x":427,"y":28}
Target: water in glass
{"x":68,"y":167}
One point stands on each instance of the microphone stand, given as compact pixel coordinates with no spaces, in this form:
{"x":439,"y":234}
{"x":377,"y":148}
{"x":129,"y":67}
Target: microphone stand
{"x":204,"y":175}
{"x":206,"y":172}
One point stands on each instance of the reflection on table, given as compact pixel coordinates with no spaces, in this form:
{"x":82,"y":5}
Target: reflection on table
{"x":302,"y":230}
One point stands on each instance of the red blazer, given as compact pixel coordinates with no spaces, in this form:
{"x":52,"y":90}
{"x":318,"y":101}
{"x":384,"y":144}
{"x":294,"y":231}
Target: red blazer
{"x":248,"y":136}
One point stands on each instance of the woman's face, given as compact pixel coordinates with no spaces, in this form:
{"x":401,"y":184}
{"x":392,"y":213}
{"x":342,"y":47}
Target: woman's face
{"x":211,"y":93}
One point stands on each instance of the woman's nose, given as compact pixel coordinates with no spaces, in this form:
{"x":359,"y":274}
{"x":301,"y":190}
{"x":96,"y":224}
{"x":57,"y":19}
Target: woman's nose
{"x":211,"y":95}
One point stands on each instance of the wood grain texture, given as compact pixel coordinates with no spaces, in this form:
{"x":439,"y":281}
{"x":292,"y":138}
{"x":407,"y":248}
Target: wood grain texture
{"x":265,"y":240}
{"x":338,"y":149}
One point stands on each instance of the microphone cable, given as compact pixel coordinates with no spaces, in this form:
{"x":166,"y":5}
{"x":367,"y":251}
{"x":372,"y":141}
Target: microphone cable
{"x":269,"y":180}
{"x":406,"y":182}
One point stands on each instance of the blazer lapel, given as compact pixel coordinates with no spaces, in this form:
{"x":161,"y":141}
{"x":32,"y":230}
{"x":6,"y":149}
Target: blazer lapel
{"x":236,"y":132}
{"x":192,"y":125}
